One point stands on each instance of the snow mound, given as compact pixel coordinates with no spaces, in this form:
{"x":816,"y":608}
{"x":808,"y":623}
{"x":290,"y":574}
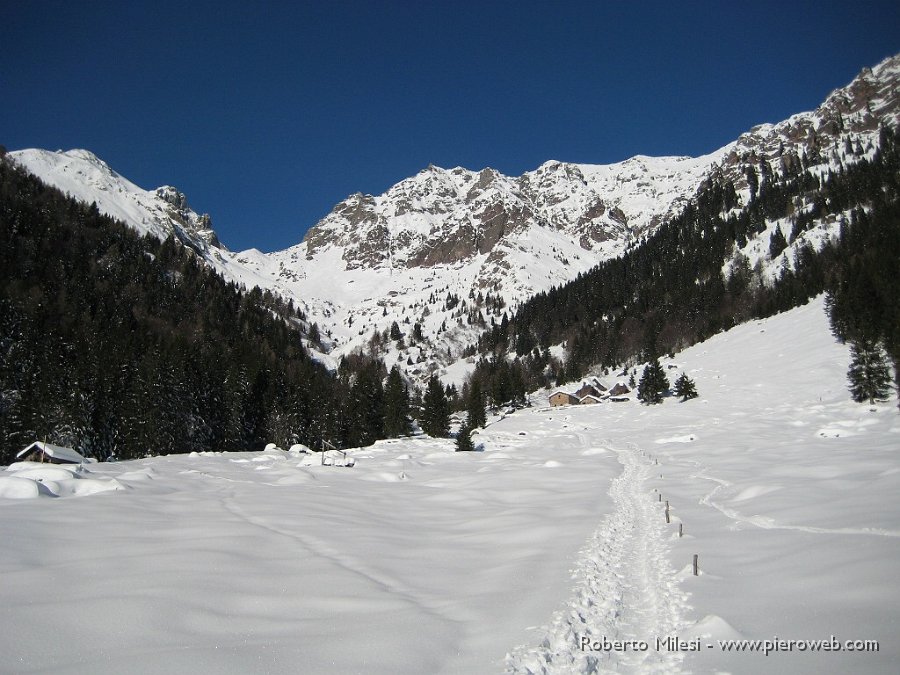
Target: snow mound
{"x":29,"y":480}
{"x":12,"y":487}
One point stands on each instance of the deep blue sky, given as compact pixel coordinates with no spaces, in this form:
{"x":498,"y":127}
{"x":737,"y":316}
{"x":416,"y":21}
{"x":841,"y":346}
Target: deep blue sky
{"x":267,"y":114}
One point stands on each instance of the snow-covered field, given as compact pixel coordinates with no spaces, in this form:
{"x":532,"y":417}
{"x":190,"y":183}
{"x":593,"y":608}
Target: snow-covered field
{"x":524,"y":557}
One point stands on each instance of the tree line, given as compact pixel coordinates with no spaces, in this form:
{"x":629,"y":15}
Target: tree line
{"x":669,"y":291}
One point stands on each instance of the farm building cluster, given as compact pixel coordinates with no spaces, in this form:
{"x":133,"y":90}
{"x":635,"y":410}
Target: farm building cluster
{"x":589,"y":393}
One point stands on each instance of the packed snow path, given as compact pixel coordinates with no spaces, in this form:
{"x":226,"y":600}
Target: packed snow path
{"x":626,"y":591}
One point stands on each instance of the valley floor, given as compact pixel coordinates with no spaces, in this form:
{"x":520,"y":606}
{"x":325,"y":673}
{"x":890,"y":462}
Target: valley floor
{"x":529,"y":556}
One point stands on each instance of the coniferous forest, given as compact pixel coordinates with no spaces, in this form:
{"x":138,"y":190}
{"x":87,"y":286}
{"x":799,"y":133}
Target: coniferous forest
{"x":125,"y":346}
{"x":669,"y":291}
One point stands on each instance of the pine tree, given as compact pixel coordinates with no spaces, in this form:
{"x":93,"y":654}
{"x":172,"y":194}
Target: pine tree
{"x":476,"y":417}
{"x":653,"y":384}
{"x":314,"y":335}
{"x":869,"y":376}
{"x":396,"y":406}
{"x":777,"y":242}
{"x":464,"y":439}
{"x":685,"y":387}
{"x":435,"y":420}
{"x":364,"y":410}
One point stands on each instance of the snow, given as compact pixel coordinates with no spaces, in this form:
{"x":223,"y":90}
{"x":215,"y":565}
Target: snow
{"x":29,"y":480}
{"x":419,"y":559}
{"x":55,"y":451}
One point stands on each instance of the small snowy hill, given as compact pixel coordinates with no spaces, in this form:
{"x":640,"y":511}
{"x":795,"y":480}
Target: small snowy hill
{"x":420,"y":559}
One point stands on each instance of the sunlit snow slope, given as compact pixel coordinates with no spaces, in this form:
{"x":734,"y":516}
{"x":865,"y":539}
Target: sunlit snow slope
{"x":420,"y":560}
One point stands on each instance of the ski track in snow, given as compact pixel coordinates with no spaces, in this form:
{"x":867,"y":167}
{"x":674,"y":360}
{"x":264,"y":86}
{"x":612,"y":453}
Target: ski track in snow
{"x":767,"y":523}
{"x":626,"y":590}
{"x":349,"y":564}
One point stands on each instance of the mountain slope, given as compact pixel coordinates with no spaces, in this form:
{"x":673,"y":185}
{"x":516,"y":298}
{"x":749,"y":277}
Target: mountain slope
{"x":161,"y":212}
{"x":124,"y":346}
{"x":452,"y":250}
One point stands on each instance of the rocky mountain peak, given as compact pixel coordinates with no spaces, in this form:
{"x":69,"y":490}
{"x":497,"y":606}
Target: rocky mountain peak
{"x":841,"y":128}
{"x":172,"y":196}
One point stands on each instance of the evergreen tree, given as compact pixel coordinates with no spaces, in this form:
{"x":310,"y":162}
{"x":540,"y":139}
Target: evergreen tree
{"x":364,"y":409}
{"x":777,"y":242}
{"x":435,"y":418}
{"x":395,"y":332}
{"x":397,"y":421}
{"x":752,"y":181}
{"x":476,"y":417}
{"x":314,"y":335}
{"x":685,"y":387}
{"x":464,"y":439}
{"x":653,"y":384}
{"x":869,"y":375}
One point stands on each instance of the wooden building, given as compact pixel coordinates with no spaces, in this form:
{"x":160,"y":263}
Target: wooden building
{"x":590,"y":390}
{"x":619,"y":389}
{"x":49,"y":454}
{"x":563,"y":398}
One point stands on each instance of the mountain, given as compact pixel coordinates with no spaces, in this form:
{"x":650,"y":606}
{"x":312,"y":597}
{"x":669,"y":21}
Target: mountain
{"x":454,"y":250}
{"x":86,"y":177}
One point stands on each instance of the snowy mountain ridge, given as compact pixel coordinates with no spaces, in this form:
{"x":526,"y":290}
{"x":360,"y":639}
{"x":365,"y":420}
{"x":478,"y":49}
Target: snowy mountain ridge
{"x":453,"y":249}
{"x":86,"y":177}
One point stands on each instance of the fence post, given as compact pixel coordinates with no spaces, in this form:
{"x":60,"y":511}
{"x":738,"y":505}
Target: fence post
{"x":696,"y":565}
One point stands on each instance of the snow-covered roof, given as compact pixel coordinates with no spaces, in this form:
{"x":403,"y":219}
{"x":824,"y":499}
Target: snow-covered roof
{"x":54,"y":451}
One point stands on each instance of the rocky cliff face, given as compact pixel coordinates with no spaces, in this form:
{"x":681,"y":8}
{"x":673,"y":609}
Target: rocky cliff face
{"x":445,"y":216}
{"x":844,"y":127}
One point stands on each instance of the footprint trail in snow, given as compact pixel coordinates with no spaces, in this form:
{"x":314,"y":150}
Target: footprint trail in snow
{"x":626,"y":591}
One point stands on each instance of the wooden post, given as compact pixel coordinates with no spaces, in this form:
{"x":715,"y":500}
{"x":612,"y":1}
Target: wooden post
{"x":667,"y":511}
{"x":696,"y":565}
{"x":660,"y":496}
{"x":680,"y":529}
